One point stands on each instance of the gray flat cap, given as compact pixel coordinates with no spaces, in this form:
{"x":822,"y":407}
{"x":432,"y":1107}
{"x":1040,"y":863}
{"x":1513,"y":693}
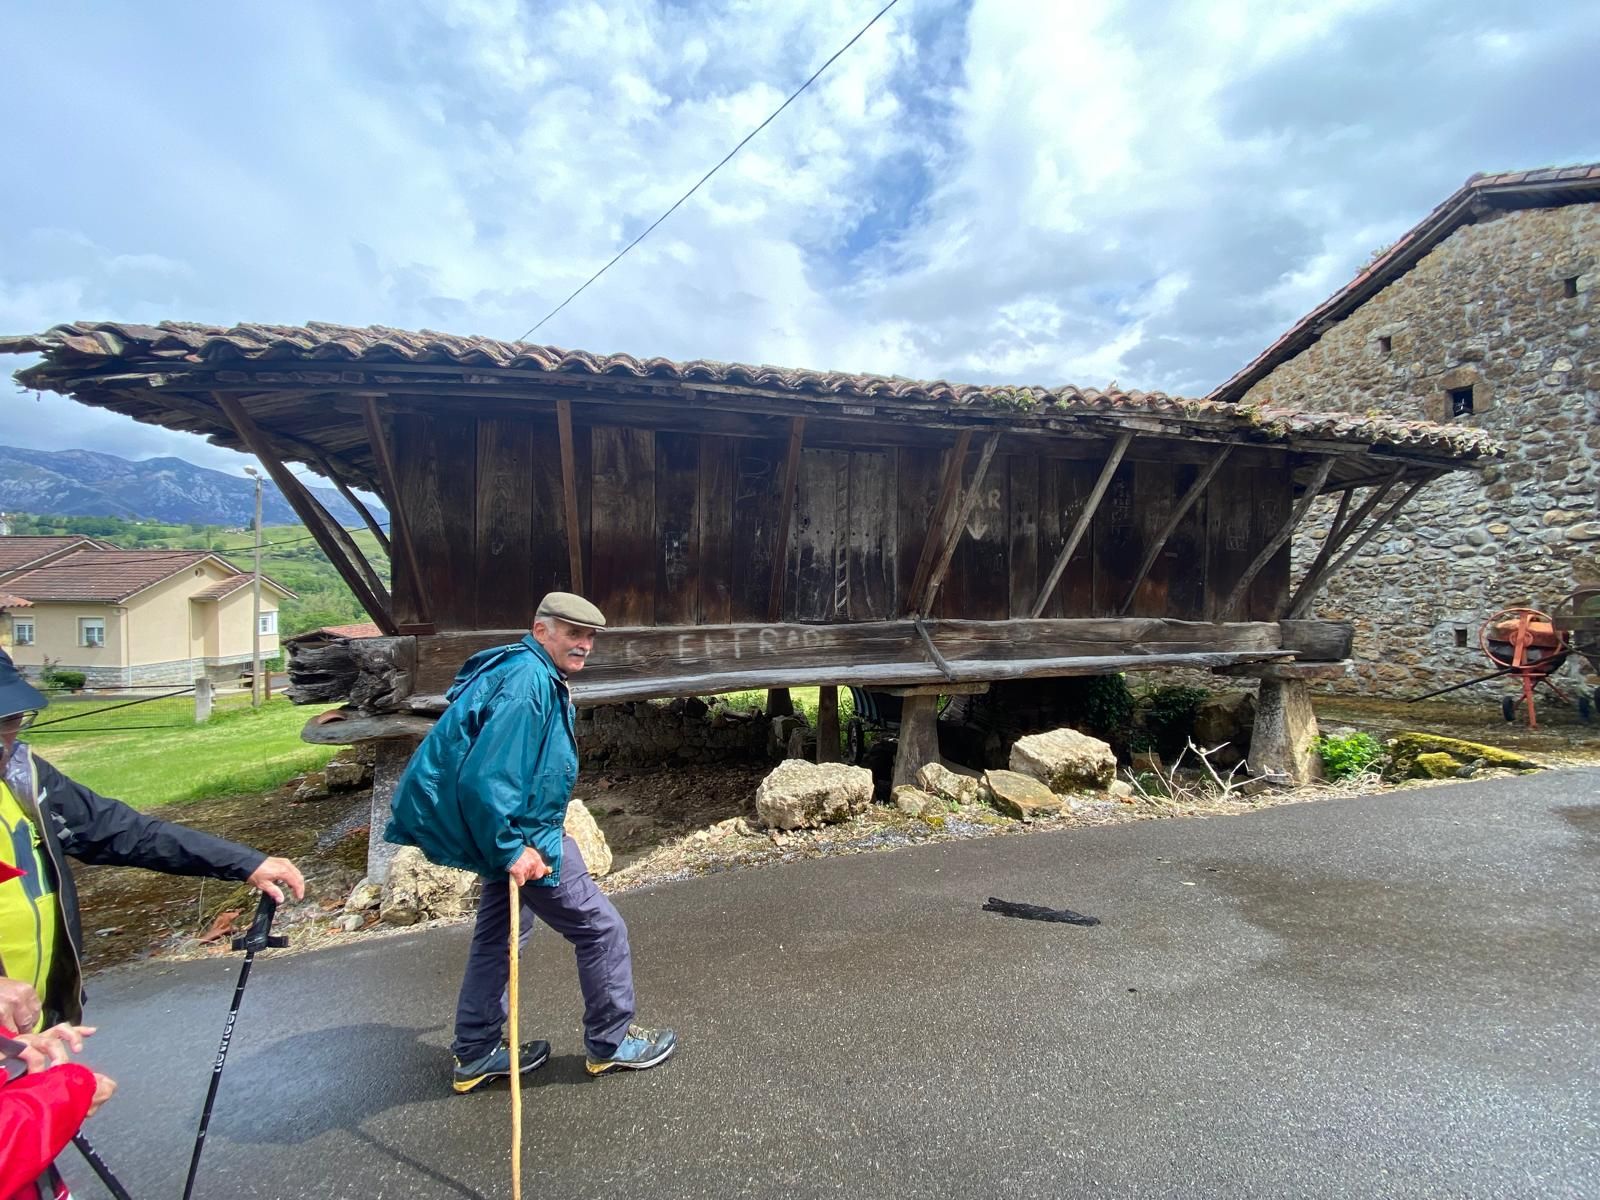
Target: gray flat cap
{"x":572,"y":609}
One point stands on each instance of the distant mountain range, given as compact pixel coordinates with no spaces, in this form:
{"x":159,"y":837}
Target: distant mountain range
{"x":86,"y":483}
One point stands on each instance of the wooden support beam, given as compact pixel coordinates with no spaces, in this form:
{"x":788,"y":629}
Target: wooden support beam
{"x":354,"y":502}
{"x":1275,"y":543}
{"x":1338,"y":533}
{"x":878,"y":676}
{"x":955,"y":466}
{"x":1196,"y":490}
{"x":1308,"y":590}
{"x":1067,"y":551}
{"x":343,"y":553}
{"x":569,"y":494}
{"x":953,"y":535}
{"x":828,"y":723}
{"x":648,"y":652}
{"x":382,"y":456}
{"x":780,"y":550}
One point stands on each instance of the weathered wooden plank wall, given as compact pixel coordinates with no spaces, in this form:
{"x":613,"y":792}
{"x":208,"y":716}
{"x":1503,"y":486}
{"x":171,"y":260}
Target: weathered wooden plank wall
{"x":678,"y":528}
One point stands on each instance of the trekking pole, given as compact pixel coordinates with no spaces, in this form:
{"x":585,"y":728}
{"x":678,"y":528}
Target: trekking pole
{"x":113,"y":1184}
{"x":259,"y":937}
{"x":516,"y":1045}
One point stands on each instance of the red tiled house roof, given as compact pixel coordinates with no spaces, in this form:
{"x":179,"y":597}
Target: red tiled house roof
{"x":19,"y":552}
{"x":112,"y":576}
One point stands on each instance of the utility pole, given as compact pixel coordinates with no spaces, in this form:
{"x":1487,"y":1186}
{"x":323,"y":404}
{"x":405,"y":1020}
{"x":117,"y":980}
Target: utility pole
{"x":255,"y":587}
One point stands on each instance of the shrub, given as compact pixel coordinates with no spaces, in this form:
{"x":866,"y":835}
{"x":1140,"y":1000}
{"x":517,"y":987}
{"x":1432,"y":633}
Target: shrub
{"x":1168,"y":714}
{"x":1347,"y":754}
{"x":65,"y":681}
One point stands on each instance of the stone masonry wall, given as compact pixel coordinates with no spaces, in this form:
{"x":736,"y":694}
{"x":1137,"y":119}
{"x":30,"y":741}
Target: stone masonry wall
{"x":1510,"y":309}
{"x":662,"y":731}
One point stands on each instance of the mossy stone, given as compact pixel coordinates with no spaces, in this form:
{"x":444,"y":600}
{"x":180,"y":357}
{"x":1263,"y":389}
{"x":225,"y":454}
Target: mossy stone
{"x":1435,"y":765}
{"x":1406,"y":749}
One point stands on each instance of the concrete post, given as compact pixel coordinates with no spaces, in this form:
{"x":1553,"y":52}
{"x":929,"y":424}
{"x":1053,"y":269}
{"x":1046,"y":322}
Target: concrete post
{"x":1285,"y":731}
{"x":202,"y":699}
{"x":392,"y":757}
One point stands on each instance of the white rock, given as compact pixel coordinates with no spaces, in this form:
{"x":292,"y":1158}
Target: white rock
{"x":913,"y":801}
{"x":418,"y":890}
{"x":363,"y":896}
{"x":943,"y":782}
{"x":799,"y":794}
{"x":1065,"y":760}
{"x":592,"y":844}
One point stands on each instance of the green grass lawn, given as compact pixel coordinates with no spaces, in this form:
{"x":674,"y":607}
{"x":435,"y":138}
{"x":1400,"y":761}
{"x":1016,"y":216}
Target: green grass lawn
{"x":237,"y":752}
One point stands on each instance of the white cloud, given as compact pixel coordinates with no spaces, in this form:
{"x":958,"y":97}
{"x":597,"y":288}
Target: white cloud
{"x":1001,"y":190}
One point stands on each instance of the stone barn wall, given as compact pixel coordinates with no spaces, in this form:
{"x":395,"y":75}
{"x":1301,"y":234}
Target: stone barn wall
{"x":660,"y":732}
{"x":1505,"y":311}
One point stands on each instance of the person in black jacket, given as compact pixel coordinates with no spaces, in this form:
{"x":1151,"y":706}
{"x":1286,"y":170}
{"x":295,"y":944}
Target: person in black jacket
{"x":46,"y":817}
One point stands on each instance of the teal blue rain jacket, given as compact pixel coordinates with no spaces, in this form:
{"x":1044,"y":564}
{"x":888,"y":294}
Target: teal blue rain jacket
{"x":497,"y":770}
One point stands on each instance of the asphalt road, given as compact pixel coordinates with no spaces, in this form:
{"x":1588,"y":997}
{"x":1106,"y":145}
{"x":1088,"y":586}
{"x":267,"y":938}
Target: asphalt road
{"x":1393,"y":996}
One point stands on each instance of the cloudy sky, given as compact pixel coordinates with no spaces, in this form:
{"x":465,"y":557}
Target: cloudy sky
{"x":1039,"y":191}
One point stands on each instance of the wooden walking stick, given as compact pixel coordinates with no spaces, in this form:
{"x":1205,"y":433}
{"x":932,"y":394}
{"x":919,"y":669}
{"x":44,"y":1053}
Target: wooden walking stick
{"x":516,"y":1046}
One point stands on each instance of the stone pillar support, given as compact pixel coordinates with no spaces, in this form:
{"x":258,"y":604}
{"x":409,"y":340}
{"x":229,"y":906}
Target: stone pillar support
{"x":919,"y":737}
{"x":392,"y":756}
{"x":1285,"y":731}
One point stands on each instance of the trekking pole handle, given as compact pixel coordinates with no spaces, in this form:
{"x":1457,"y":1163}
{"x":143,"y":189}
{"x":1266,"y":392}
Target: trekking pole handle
{"x":260,"y":936}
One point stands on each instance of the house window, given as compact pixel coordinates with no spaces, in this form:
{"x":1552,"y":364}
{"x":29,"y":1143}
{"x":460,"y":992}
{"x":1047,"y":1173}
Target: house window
{"x":92,"y":631}
{"x":1461,"y":635}
{"x":268,"y":624}
{"x":1460,"y":401}
{"x":1385,"y":345}
{"x":1569,"y":287}
{"x":22,"y":632}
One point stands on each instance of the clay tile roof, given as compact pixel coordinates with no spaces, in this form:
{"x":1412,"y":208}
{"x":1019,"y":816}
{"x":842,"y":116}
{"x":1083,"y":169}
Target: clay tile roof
{"x":221,"y":588}
{"x":1545,"y":188}
{"x":104,"y":576}
{"x":76,"y":355}
{"x":227,"y":587}
{"x":18,"y":552}
{"x":7,"y":600}
{"x":364,"y":629}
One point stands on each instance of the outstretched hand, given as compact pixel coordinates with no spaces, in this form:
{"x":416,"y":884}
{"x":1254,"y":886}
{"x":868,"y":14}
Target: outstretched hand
{"x":274,"y":871}
{"x":58,"y":1043}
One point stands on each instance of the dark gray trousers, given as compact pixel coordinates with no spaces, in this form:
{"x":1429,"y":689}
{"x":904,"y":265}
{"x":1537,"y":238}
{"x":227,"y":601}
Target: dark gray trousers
{"x":579,"y":912}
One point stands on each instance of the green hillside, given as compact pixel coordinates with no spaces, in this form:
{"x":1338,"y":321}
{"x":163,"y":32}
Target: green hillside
{"x":288,"y":555}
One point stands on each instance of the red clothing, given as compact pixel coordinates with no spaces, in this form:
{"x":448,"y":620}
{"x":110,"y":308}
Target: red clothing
{"x":38,"y":1115}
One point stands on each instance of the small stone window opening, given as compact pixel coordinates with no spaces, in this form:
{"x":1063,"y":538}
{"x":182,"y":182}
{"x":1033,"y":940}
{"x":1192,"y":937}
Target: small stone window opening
{"x":1461,"y":635}
{"x":1460,"y":401}
{"x":1385,"y":344}
{"x":1569,"y":287}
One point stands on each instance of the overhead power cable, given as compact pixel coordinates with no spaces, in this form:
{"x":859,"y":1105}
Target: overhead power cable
{"x":792,"y":97}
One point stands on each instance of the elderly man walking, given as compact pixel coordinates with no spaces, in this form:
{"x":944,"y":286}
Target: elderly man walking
{"x":487,"y":791}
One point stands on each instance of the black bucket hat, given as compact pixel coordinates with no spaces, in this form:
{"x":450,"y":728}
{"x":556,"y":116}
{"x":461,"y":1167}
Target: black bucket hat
{"x":16,"y":693}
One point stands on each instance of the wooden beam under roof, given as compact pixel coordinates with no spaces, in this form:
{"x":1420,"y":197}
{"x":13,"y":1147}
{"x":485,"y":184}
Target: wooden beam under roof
{"x":343,"y":553}
{"x":1078,"y":530}
{"x":384,"y":458}
{"x":1275,"y":543}
{"x":1196,"y":490}
{"x":969,"y":496}
{"x":955,"y":465}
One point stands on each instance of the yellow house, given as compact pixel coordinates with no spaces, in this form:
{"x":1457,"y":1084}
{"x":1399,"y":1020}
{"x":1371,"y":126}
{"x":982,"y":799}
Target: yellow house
{"x":136,"y":616}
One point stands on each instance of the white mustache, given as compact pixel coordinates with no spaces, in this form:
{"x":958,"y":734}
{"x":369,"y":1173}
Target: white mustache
{"x":577,"y":652}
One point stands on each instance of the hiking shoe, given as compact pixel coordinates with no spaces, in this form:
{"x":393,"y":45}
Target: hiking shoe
{"x":497,"y":1065}
{"x":641,"y":1049}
